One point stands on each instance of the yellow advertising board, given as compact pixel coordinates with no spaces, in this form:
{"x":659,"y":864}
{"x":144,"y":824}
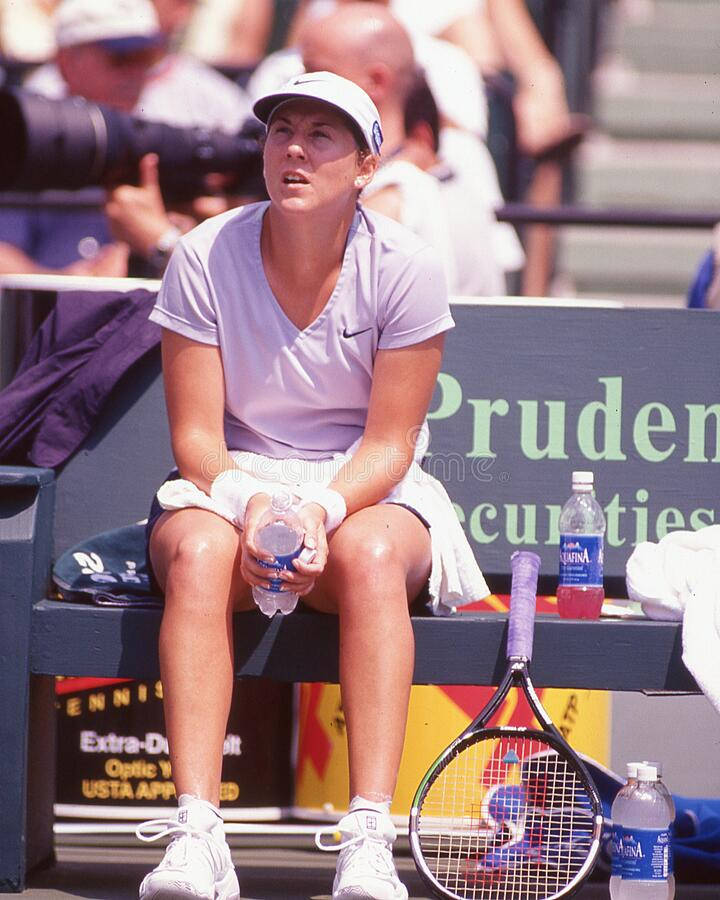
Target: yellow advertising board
{"x":437,"y":714}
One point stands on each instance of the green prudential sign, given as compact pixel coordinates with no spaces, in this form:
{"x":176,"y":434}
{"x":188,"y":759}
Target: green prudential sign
{"x":527,"y":394}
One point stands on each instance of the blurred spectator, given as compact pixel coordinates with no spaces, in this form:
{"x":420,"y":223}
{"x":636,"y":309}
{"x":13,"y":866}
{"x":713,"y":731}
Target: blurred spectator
{"x":500,"y":36}
{"x":451,"y":73}
{"x":426,"y":16}
{"x":496,"y":35}
{"x":545,"y":129}
{"x":472,"y":228}
{"x":453,"y":79}
{"x":26,"y":30}
{"x":138,"y":216}
{"x":365,"y":43}
{"x":174,"y":17}
{"x":233,"y":33}
{"x":113,"y":52}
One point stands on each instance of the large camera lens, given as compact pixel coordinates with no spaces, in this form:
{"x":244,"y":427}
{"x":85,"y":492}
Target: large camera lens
{"x":69,"y":144}
{"x":50,"y":143}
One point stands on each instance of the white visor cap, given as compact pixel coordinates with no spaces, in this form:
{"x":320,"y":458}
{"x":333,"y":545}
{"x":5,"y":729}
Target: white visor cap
{"x":344,"y":95}
{"x":106,"y":21}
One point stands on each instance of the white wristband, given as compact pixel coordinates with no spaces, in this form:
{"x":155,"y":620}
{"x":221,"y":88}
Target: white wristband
{"x":331,"y":501}
{"x":234,"y":488}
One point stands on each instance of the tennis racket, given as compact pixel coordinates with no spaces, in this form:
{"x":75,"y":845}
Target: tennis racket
{"x":508,"y":812}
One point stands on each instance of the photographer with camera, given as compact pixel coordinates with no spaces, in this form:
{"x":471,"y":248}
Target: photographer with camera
{"x":113,"y":52}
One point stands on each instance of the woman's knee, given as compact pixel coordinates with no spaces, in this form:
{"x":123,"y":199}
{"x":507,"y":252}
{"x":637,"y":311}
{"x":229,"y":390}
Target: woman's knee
{"x":202,"y":555}
{"x":381,"y":553}
{"x":364,"y":569}
{"x":195,"y":557}
{"x":358,"y":553}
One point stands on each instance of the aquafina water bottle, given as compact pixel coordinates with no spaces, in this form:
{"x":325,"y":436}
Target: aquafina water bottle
{"x":647,"y":854}
{"x":580,"y":592}
{"x":617,"y":814}
{"x":662,"y":788}
{"x":279,"y":532}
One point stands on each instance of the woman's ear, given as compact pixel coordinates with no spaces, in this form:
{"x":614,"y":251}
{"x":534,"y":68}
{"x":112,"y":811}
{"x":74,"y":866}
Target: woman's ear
{"x":368,"y":167}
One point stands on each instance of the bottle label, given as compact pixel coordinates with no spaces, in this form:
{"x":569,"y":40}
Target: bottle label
{"x":281,"y":562}
{"x":646,"y":854}
{"x":616,"y":847}
{"x":581,"y":560}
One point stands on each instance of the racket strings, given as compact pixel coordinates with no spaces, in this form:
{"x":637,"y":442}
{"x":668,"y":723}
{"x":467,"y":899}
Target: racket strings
{"x":506,"y":818}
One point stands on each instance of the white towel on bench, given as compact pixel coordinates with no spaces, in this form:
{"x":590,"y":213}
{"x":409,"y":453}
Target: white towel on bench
{"x":679,"y":579}
{"x":455,"y":578}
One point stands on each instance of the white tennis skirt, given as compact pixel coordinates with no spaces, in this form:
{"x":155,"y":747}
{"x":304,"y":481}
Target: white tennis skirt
{"x":455,"y":577}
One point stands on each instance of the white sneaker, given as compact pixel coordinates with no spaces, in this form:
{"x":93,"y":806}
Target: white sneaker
{"x":365,"y":868}
{"x":197,"y":860}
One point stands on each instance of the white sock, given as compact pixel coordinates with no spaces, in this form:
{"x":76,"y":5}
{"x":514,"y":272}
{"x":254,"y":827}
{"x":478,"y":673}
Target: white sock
{"x":204,"y":815}
{"x":191,"y":800}
{"x":380,"y":803}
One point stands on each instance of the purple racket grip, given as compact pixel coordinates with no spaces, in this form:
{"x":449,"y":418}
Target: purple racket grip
{"x":525,"y":566}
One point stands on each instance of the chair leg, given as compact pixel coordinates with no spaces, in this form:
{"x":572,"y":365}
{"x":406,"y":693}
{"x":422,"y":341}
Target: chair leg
{"x":42,"y":770}
{"x":14,"y":718}
{"x":26,"y":521}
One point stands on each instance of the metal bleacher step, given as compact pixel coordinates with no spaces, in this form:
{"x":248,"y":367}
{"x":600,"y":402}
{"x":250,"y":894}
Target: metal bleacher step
{"x":637,"y":261}
{"x":665,"y":175}
{"x":660,"y":105}
{"x":645,"y":265}
{"x":680,"y":36}
{"x":657,"y":118}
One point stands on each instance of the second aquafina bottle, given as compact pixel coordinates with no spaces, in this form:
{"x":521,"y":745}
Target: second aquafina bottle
{"x":647,"y":856}
{"x":662,"y":788}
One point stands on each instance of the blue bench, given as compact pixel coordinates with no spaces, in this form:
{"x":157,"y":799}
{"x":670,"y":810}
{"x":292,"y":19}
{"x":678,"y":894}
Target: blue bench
{"x":526,"y":394}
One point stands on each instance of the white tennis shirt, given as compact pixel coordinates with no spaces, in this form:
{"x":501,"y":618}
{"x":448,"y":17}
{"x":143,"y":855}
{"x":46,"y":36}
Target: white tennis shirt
{"x":290,"y":392}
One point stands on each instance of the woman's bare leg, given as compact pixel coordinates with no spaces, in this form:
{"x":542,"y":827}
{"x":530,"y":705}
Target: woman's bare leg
{"x":379,"y":561}
{"x":195,"y":556}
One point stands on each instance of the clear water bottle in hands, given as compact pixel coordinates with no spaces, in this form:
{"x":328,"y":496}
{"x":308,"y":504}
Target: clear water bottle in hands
{"x":279,"y":532}
{"x":580,"y":592}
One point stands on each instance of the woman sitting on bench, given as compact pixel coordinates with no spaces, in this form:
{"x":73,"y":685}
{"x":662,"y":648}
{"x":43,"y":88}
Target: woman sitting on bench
{"x":302,"y":340}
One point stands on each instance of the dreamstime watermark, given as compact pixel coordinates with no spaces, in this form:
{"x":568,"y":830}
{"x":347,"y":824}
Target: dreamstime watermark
{"x":392,"y":461}
{"x":454,"y":468}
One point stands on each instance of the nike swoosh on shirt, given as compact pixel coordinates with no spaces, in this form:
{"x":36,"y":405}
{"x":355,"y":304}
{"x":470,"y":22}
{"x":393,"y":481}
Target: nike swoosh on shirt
{"x":350,"y":334}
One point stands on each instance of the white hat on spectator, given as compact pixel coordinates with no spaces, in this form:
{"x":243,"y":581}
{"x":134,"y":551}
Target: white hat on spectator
{"x":119,"y":25}
{"x":346,"y":96}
